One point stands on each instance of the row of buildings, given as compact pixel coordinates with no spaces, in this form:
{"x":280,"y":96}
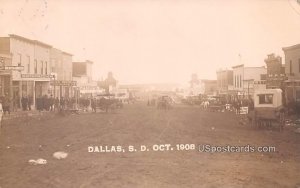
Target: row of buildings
{"x":34,"y":69}
{"x":241,"y":81}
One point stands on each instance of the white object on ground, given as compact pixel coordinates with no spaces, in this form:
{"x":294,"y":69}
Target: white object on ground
{"x":60,"y":155}
{"x":38,"y":161}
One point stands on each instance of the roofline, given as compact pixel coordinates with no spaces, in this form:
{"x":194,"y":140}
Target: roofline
{"x":29,"y":40}
{"x":41,"y":43}
{"x":206,"y":80}
{"x":67,"y":53}
{"x":256,"y":67}
{"x":87,"y":61}
{"x":6,"y":55}
{"x":242,"y":65}
{"x":225,"y":70}
{"x":297,"y":46}
{"x":237,"y":66}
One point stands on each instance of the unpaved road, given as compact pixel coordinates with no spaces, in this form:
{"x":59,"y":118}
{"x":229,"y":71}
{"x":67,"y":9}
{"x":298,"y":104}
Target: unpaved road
{"x":141,"y":125}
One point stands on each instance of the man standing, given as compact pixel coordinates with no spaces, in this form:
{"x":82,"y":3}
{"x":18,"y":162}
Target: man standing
{"x":6,"y":104}
{"x":56,"y":104}
{"x":1,"y":113}
{"x":29,"y":102}
{"x":24,"y":102}
{"x":94,"y":104}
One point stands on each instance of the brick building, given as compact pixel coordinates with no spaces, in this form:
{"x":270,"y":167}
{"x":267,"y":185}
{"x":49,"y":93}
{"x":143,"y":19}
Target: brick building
{"x":292,"y":71}
{"x":275,"y":72}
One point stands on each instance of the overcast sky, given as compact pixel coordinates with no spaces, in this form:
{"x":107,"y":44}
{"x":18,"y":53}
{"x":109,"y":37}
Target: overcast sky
{"x":154,"y":41}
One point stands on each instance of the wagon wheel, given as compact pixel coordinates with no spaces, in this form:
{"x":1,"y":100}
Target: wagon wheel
{"x":259,"y":123}
{"x":281,"y":121}
{"x":255,"y":120}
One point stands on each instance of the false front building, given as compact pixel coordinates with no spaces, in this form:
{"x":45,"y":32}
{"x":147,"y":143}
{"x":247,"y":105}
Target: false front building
{"x":25,"y":68}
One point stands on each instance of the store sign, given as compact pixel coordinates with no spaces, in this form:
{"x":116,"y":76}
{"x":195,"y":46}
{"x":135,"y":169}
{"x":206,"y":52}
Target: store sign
{"x":89,"y":88}
{"x":243,"y":110}
{"x":18,"y":68}
{"x":36,"y":76}
{"x":63,"y":83}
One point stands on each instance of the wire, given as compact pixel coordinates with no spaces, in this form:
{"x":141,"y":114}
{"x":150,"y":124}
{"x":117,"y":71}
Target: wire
{"x":298,"y":2}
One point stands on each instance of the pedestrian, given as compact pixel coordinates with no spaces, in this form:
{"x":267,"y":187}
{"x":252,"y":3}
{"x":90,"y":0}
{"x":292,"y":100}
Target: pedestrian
{"x":6,"y":104}
{"x":56,"y":104}
{"x":62,"y":103}
{"x":39,"y":103}
{"x":1,"y":113}
{"x":93,"y":104}
{"x":238,"y":106}
{"x":51,"y":101}
{"x":29,"y":102}
{"x":16,"y":103}
{"x":46,"y":103}
{"x":24,"y":102}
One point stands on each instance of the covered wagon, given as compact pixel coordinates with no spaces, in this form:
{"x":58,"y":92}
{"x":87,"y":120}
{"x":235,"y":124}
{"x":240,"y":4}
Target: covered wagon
{"x":268,"y":108}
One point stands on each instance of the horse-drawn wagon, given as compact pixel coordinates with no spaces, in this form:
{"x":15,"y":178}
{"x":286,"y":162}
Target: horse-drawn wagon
{"x":107,"y":102}
{"x":164,"y":102}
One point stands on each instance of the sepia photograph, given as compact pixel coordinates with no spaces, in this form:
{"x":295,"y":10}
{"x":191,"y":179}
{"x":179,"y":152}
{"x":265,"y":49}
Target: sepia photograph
{"x":149,"y":93}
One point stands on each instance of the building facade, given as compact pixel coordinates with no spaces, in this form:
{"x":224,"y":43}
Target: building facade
{"x":82,"y":74}
{"x":275,"y":72}
{"x":246,"y":79}
{"x":83,"y":69}
{"x":224,"y":81}
{"x":61,"y":68}
{"x":5,"y":75}
{"x":34,"y":58}
{"x":292,"y":71}
{"x":210,"y":87}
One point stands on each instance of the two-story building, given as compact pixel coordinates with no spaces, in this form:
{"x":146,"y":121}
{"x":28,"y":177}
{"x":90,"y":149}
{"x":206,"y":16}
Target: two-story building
{"x":224,"y":81}
{"x":34,"y":58}
{"x":5,"y":75}
{"x":247,"y":79}
{"x":61,"y":68}
{"x":275,"y":72}
{"x":82,"y":74}
{"x":292,"y":71}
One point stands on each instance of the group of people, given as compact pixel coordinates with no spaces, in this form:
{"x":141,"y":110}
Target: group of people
{"x":229,"y":105}
{"x":5,"y":103}
{"x":26,"y":102}
{"x":53,"y":104}
{"x":4,"y":106}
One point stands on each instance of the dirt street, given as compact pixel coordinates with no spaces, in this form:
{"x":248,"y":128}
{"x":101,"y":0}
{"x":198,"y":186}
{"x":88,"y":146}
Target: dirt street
{"x":138,"y":125}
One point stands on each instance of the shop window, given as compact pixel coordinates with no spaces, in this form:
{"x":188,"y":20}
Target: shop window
{"x":19,"y":59}
{"x":28,"y":64}
{"x":298,"y":95}
{"x":46,"y":67}
{"x":35,"y":66}
{"x":42,"y":67}
{"x":266,"y":99}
